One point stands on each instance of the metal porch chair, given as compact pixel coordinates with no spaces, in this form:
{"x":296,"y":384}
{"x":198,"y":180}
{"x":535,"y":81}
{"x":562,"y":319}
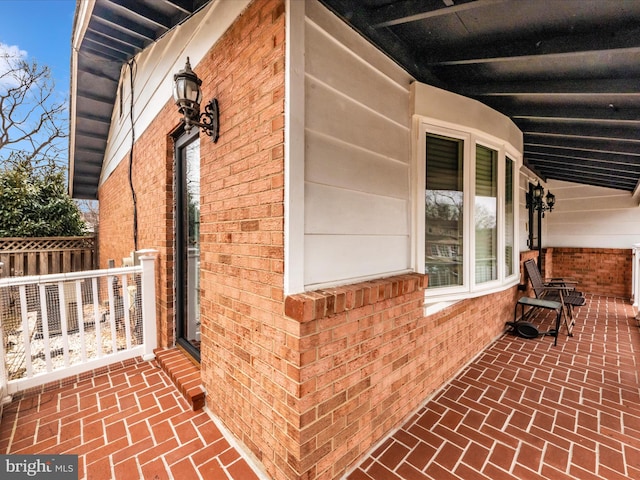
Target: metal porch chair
{"x":556,"y":289}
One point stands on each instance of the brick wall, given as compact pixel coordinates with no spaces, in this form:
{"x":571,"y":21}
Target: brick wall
{"x":368,"y":358}
{"x":601,"y":271}
{"x":152,"y":175}
{"x":246,"y":356}
{"x":116,"y":217}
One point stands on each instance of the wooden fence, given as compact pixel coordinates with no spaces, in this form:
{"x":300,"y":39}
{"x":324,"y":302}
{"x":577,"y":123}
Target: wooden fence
{"x":42,"y":256}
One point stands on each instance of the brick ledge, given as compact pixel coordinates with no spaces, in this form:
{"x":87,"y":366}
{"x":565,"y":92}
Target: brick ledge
{"x":184,"y":374}
{"x":322,"y":303}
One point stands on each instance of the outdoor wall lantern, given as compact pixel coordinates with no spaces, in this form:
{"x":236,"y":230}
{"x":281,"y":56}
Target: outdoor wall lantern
{"x":537,"y":200}
{"x":187,"y":95}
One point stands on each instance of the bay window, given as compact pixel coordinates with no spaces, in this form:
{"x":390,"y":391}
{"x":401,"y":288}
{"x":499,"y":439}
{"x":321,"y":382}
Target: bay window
{"x":469,"y":228}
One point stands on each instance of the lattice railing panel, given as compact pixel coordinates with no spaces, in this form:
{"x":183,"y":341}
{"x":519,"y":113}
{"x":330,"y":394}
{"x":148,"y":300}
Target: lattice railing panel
{"x":36,"y":244}
{"x":42,"y":256}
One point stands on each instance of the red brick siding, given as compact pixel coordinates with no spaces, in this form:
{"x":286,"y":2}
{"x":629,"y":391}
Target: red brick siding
{"x":602,"y":271}
{"x":152,"y":175}
{"x":246,"y":347}
{"x":368,"y":358}
{"x":116,"y":217}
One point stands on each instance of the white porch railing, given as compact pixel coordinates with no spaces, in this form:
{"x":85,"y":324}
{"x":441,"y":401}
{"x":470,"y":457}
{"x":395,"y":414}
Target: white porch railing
{"x":56,"y":326}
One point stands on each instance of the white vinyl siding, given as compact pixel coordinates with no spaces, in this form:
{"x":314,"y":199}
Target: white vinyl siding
{"x":357,"y":157}
{"x":352,"y":184}
{"x":591,"y":217}
{"x":154,"y":70}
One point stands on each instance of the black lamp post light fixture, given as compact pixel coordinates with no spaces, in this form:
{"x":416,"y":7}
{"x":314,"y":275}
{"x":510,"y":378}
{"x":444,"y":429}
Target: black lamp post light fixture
{"x":537,"y":200}
{"x":188,"y":97}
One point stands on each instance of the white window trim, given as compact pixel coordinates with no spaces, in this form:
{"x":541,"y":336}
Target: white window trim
{"x":439,"y":298}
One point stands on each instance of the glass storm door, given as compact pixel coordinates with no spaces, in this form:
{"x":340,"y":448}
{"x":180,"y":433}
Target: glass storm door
{"x":188,"y":244}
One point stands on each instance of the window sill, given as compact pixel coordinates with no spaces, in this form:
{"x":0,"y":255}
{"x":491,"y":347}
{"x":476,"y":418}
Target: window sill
{"x":434,"y":304}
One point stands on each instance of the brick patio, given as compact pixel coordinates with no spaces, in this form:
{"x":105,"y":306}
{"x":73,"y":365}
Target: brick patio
{"x":522,"y":410}
{"x":130,"y":422}
{"x":527,"y":410}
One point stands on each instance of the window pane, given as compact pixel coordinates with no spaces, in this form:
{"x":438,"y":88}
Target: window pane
{"x":188,"y":247}
{"x":443,"y":211}
{"x":486,"y":214}
{"x":509,"y":223}
{"x":534,"y":224}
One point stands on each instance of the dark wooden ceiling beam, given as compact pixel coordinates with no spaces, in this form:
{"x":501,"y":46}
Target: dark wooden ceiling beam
{"x":494,"y":57}
{"x":540,"y":44}
{"x":580,"y":130}
{"x":582,"y":154}
{"x":91,"y":134}
{"x":398,"y":13}
{"x":628,"y":186}
{"x":584,"y":166}
{"x":184,"y":6}
{"x":122,"y":24}
{"x":91,"y":47}
{"x":93,"y":117}
{"x":108,"y":44}
{"x":144,"y":13}
{"x":555,"y":169}
{"x":95,"y":97}
{"x":577,"y":87}
{"x":578,"y":175}
{"x":133,"y":42}
{"x":581,"y":145}
{"x":560,"y":113}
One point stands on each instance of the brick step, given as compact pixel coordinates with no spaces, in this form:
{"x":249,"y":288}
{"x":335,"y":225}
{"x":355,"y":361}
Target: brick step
{"x":184,"y":374}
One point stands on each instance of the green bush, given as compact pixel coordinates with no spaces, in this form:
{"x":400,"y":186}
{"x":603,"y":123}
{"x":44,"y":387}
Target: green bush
{"x":34,"y":202}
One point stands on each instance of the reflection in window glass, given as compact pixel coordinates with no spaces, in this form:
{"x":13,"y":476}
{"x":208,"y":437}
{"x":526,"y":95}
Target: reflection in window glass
{"x":471,"y":209}
{"x":486,"y":214}
{"x":192,"y":154}
{"x":443,"y":211}
{"x":192,"y":191}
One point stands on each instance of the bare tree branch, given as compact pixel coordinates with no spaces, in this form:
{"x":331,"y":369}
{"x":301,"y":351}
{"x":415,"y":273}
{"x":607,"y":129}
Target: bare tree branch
{"x":31,"y":115}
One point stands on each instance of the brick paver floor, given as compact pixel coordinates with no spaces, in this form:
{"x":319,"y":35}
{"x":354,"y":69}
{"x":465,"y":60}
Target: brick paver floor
{"x":523,"y":409}
{"x":128,"y":423}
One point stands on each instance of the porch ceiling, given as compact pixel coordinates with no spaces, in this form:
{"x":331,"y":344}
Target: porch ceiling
{"x":567,"y":72}
{"x":116,"y":30}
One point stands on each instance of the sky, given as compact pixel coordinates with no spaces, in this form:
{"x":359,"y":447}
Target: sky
{"x":42,"y":29}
